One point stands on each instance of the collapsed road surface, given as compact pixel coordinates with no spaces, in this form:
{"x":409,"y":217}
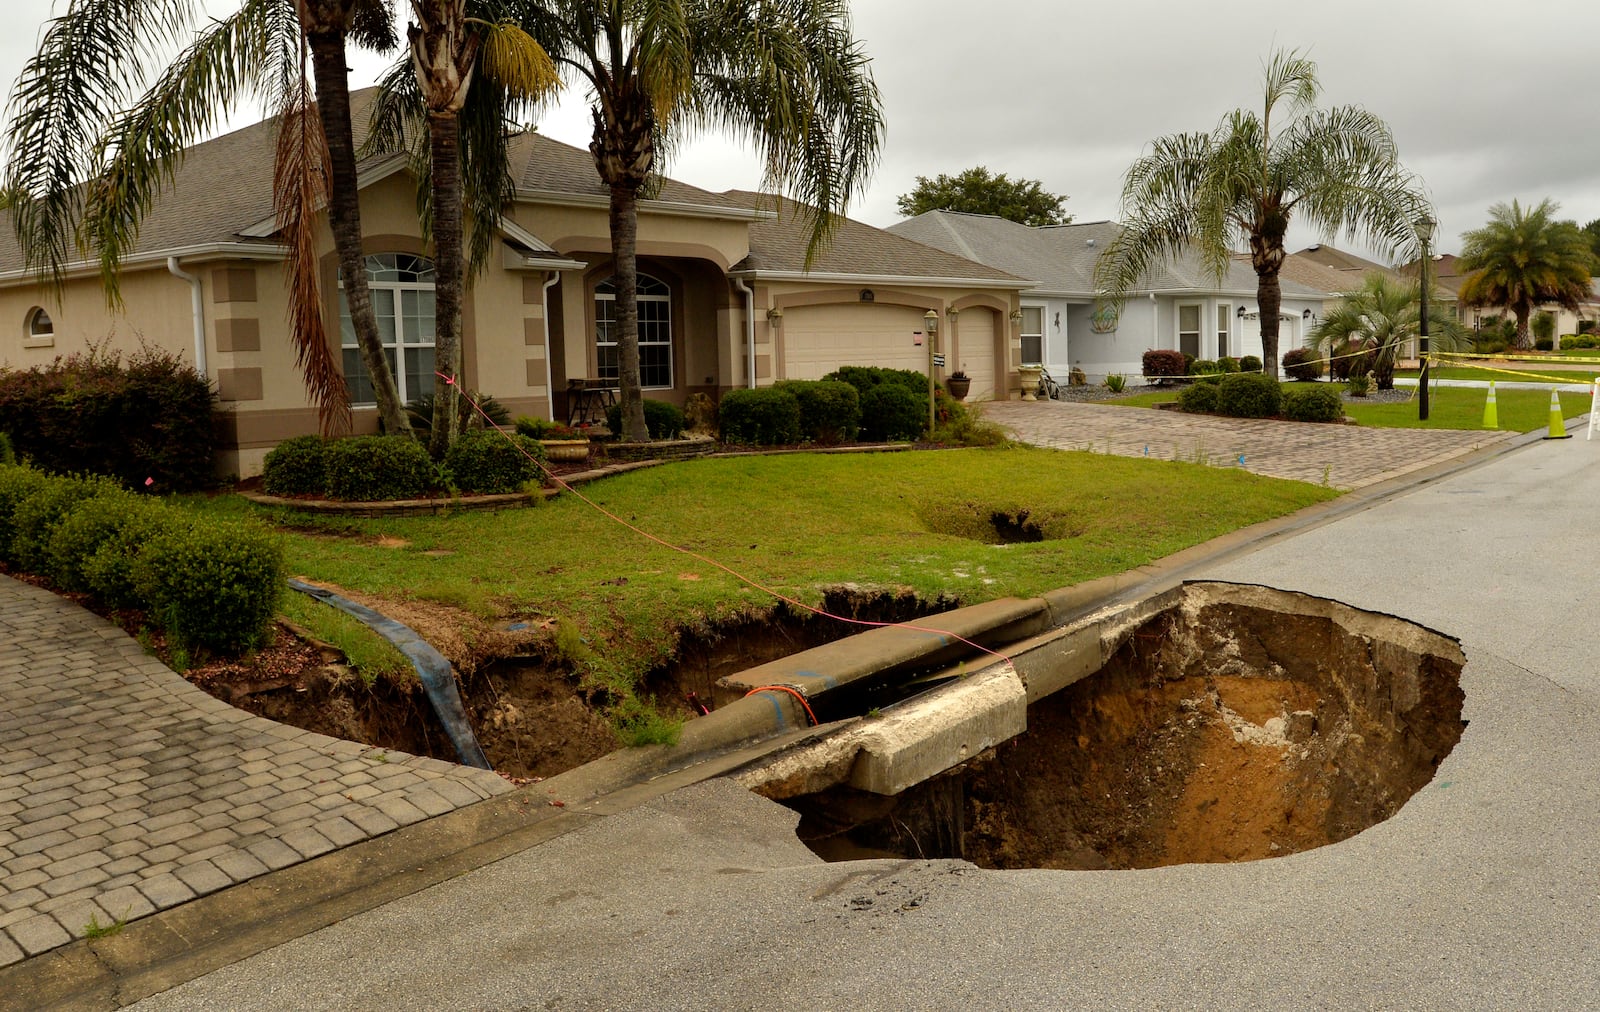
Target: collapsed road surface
{"x":1482,"y":891}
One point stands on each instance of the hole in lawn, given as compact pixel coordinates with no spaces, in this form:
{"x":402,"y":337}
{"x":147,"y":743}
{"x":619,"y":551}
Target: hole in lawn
{"x":1000,"y":521}
{"x":1222,"y":730}
{"x":1014,"y":528}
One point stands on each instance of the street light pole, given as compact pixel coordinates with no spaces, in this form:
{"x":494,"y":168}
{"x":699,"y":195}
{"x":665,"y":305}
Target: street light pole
{"x":931,"y":322}
{"x":1424,"y":232}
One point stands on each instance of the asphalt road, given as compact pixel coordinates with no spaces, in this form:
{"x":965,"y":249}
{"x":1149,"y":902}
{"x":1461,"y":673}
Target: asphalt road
{"x":1483,"y":892}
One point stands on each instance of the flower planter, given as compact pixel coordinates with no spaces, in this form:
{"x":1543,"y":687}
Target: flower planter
{"x":565,"y":449}
{"x":958,"y":386}
{"x":1029,"y":376}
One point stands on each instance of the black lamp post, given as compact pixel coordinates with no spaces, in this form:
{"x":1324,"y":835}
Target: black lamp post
{"x":1425,"y":228}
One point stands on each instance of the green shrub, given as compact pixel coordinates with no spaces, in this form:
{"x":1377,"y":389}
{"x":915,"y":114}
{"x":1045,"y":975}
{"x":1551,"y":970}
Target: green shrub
{"x":1164,"y":362}
{"x":960,"y":425}
{"x":830,"y":410}
{"x":1198,"y":398}
{"x":1489,"y":343}
{"x":543,"y":428}
{"x":17,"y":484}
{"x":1352,"y":358}
{"x":297,"y":466}
{"x":1227,"y":363}
{"x":420,"y":413}
{"x":8,"y":454}
{"x":1204,"y":367}
{"x":1250,"y":363}
{"x":109,"y":572}
{"x":35,"y":519}
{"x":764,"y":416}
{"x":866,"y":377}
{"x":1249,"y":395}
{"x":662,"y":420}
{"x":379,"y":468}
{"x":1318,"y":403}
{"x":1588,"y":341}
{"x":1544,"y":326}
{"x":211,"y":584}
{"x":1302,"y":365}
{"x":1569,"y":342}
{"x":150,"y":418}
{"x":88,"y":524}
{"x":1359,"y":385}
{"x":490,"y":461}
{"x":1542,"y":344}
{"x":890,"y":412}
{"x":1116,"y":382}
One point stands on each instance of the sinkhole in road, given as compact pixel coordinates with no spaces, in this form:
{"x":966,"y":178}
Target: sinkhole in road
{"x":1236,"y":725}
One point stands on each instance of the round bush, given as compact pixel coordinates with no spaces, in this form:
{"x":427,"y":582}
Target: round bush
{"x":379,"y":469}
{"x":765,"y":416}
{"x":109,"y":572}
{"x":1204,"y":367}
{"x":212,"y":584}
{"x":1250,"y":363}
{"x":1227,"y":363}
{"x":1302,"y":364}
{"x":491,"y":461}
{"x":661,"y":419}
{"x":1164,"y":362}
{"x":297,"y":466}
{"x":17,"y":484}
{"x":865,"y":377}
{"x":1198,"y":398}
{"x":89,"y":524}
{"x":35,"y":519}
{"x":1312,"y":404}
{"x":1249,"y":395}
{"x":892,"y":412}
{"x":830,"y":410}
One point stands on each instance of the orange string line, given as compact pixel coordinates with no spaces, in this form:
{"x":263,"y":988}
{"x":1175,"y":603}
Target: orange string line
{"x":796,"y":693}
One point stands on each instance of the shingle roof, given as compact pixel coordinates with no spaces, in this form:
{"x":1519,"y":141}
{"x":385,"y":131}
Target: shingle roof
{"x":1319,"y":276}
{"x":550,"y":165}
{"x":779,"y":244}
{"x":1339,"y":259}
{"x":1062,"y":257}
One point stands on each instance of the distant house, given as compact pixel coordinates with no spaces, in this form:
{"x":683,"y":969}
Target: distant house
{"x":1181,"y":306}
{"x":1448,"y":276}
{"x":726,"y":299}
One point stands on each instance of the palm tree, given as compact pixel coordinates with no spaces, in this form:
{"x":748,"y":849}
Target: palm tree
{"x":1523,"y":258}
{"x":1379,"y":319}
{"x":1244,"y":181}
{"x":786,"y":74}
{"x":93,"y":138}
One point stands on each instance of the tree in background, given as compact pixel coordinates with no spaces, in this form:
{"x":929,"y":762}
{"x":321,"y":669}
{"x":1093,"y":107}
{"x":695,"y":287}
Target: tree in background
{"x":1523,"y":258}
{"x":1243,"y":182}
{"x":1380,"y":319}
{"x":1592,"y":231}
{"x":976,"y":191}
{"x":94,"y":138}
{"x":786,"y":75}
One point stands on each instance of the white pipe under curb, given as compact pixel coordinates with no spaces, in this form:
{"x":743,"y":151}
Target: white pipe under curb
{"x":198,"y":305}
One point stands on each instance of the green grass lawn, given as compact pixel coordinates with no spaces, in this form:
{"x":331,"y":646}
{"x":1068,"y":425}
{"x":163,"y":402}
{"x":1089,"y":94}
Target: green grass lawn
{"x":798,"y":524}
{"x":1448,"y":408}
{"x":1502,"y":373}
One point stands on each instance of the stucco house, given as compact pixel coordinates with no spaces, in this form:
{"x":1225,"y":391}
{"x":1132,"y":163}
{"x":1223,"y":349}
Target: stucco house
{"x":1448,"y":277}
{"x":725,"y":297}
{"x":1180,"y":306}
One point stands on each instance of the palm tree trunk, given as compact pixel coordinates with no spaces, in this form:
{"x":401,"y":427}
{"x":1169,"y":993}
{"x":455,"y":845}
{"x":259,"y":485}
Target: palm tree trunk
{"x":444,"y":137}
{"x":1524,"y":338}
{"x":624,"y":250}
{"x":344,"y":218}
{"x":1269,"y":299}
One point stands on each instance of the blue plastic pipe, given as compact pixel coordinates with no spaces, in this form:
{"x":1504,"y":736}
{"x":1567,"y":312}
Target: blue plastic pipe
{"x":438,"y":678}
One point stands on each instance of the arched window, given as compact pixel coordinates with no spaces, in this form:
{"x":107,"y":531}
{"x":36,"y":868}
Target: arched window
{"x":655,"y":332}
{"x":403,"y":301}
{"x":40,"y":326}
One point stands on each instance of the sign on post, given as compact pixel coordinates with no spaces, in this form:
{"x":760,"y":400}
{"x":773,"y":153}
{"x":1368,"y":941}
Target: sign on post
{"x":938,"y":361}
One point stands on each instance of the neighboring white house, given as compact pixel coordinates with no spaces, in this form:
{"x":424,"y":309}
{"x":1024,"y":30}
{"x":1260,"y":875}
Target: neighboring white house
{"x":1181,"y":306}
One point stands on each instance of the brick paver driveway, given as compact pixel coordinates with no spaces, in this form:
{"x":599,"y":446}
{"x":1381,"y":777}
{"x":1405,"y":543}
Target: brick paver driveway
{"x":1343,"y":456}
{"x":125,"y":790}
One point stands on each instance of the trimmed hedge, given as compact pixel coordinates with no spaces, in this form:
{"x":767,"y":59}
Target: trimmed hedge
{"x":1164,"y":362}
{"x":297,"y":466}
{"x":208,"y":584}
{"x":1249,"y":395}
{"x":764,"y":416}
{"x":1205,"y":367}
{"x":1198,"y":398}
{"x":150,"y":418}
{"x":890,"y":412}
{"x":1250,"y":363}
{"x":491,"y":461}
{"x":866,"y":377}
{"x":661,"y":419}
{"x":1302,"y":365}
{"x":830,"y":410}
{"x":379,"y":468}
{"x":1313,"y":404}
{"x":17,"y":483}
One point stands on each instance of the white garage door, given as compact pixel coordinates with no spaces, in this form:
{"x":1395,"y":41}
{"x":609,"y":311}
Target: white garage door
{"x":819,"y":339}
{"x":975,"y":353}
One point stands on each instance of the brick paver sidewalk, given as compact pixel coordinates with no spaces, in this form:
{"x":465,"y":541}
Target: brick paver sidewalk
{"x":125,"y":790}
{"x":1343,"y":456}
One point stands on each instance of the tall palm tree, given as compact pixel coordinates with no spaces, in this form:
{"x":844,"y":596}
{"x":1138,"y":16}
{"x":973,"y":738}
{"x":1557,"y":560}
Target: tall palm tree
{"x":94,"y":136}
{"x":446,"y":47}
{"x":1379,"y":319}
{"x":786,"y":74}
{"x":1524,"y":257}
{"x":1243,"y":182}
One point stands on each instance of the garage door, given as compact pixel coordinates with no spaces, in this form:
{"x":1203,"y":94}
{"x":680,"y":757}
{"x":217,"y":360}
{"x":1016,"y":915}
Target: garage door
{"x":819,"y":339}
{"x":975,"y":353}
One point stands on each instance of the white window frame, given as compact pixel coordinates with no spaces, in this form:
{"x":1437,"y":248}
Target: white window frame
{"x":35,"y":336}
{"x":654,"y":292}
{"x":1200,"y":326}
{"x":1224,"y":330}
{"x":1022,"y":352}
{"x":404,"y":340}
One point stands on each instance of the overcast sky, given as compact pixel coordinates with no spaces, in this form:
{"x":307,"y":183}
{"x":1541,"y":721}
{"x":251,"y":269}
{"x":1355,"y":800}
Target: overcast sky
{"x":1489,"y":102}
